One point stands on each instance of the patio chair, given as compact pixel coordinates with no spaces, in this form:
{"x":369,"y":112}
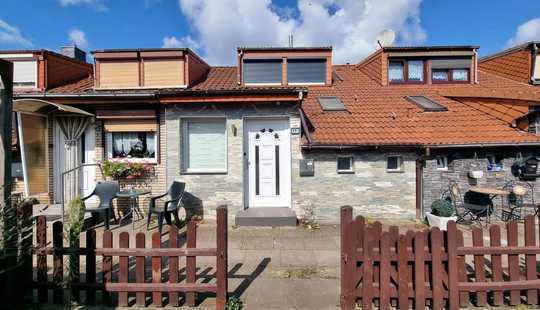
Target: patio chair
{"x":174,"y":200}
{"x":467,"y":211}
{"x":106,"y":191}
{"x":520,"y":201}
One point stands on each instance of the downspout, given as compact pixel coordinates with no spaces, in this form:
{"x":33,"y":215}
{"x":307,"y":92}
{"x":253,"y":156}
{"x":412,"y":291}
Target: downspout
{"x":533,"y":63}
{"x":475,"y":66}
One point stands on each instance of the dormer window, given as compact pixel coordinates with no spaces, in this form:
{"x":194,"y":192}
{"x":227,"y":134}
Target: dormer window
{"x":451,"y":70}
{"x":406,"y":71}
{"x":262,"y":71}
{"x":306,"y":71}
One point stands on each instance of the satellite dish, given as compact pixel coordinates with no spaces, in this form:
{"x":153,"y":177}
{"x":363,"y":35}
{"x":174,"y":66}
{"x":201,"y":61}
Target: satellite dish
{"x":385,"y":38}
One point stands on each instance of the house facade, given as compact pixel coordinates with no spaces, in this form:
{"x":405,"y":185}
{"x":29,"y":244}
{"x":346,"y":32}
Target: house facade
{"x":286,"y":132}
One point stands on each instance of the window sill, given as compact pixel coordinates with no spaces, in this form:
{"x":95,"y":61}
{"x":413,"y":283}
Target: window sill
{"x":345,"y":171}
{"x":395,"y":170}
{"x":262,"y":84}
{"x":218,"y":171}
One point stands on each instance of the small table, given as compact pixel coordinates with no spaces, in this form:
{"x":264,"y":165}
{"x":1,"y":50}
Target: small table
{"x":133,"y":196}
{"x":492,"y":192}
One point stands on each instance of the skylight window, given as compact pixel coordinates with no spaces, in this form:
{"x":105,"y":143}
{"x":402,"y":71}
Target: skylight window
{"x":331,"y":104}
{"x":427,"y":104}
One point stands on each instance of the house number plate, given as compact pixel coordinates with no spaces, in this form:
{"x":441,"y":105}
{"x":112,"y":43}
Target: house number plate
{"x":295,"y":131}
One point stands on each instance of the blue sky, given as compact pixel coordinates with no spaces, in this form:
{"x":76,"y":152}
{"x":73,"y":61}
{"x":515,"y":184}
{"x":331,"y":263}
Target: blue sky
{"x":215,"y":27}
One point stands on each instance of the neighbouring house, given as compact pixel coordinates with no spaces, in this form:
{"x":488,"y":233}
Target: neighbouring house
{"x":285,"y":131}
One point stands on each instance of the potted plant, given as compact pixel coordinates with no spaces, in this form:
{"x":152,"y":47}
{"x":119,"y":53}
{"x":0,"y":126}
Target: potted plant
{"x":442,"y":212}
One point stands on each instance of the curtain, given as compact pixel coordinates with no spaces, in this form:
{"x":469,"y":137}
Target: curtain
{"x":150,"y":143}
{"x":395,"y":71}
{"x":72,"y":128}
{"x":416,"y":70}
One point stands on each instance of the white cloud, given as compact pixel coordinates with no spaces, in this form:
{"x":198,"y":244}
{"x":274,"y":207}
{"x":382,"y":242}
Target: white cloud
{"x":95,"y":4}
{"x":78,"y":37}
{"x":350,"y":26}
{"x":186,"y":41}
{"x":12,"y":35}
{"x":528,"y":31}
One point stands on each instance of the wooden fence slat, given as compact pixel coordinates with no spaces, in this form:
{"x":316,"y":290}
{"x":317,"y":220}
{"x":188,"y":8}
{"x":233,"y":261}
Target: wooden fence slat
{"x":453,"y":291}
{"x":496,"y":263}
{"x":410,"y":251}
{"x":123,"y":269}
{"x":462,"y":273}
{"x":157,"y":299}
{"x":376,"y":241}
{"x":436,"y":268}
{"x":107,"y":266}
{"x":58,"y":262}
{"x":530,"y":259}
{"x":221,"y":260}
{"x":140,"y":243}
{"x":367,"y":266}
{"x":191,"y":262}
{"x":420,"y":270}
{"x":384,"y":283}
{"x":348,"y":258}
{"x":173,"y":264}
{"x":513,"y":261}
{"x":41,"y":239}
{"x":90,"y":276}
{"x":479,"y":267}
{"x":403,"y":274}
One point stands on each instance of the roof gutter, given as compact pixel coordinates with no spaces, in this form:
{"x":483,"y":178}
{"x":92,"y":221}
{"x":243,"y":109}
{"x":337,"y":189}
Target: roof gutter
{"x":481,"y":145}
{"x":420,"y":146}
{"x":76,"y":95}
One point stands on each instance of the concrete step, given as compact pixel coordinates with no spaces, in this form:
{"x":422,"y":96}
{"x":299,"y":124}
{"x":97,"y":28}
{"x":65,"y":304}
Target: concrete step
{"x":266,"y":216}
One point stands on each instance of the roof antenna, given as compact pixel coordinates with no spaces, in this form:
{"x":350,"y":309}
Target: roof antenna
{"x":291,"y":40}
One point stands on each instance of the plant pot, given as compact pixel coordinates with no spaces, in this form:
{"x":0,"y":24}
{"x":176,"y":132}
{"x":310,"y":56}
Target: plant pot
{"x":439,"y":221}
{"x":476,"y":174}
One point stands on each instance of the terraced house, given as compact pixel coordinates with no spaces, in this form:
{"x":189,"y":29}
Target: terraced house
{"x":285,"y":130}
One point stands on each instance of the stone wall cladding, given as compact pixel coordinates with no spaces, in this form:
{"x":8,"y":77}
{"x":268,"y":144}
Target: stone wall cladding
{"x":371,"y":189}
{"x":435,"y":182}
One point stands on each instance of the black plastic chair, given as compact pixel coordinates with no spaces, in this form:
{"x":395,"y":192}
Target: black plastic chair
{"x":106,"y":192}
{"x":520,"y":201}
{"x":174,"y":199}
{"x":465,"y":210}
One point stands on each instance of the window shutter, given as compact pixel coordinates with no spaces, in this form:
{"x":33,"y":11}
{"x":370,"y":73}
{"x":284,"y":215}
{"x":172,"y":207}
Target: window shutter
{"x":306,"y":70}
{"x":451,"y":63}
{"x":24,"y":72}
{"x":204,"y":145}
{"x":262,"y":70}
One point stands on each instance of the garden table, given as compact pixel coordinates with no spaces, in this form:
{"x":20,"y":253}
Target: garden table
{"x":133,"y":196}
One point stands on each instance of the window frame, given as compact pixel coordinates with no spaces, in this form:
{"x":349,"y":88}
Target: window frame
{"x":307,"y":83}
{"x":276,"y":60}
{"x":400,"y":164}
{"x":406,"y":79}
{"x":444,"y":160}
{"x":351,"y":162}
{"x":183,"y":139}
{"x":109,"y":148}
{"x":36,"y":76}
{"x":450,"y":79}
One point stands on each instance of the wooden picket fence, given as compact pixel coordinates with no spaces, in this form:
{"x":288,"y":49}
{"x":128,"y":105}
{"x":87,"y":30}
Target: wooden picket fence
{"x":165,"y":277}
{"x":434,"y":268}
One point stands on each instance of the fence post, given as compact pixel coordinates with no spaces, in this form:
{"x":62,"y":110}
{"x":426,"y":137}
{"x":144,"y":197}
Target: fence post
{"x":41,"y":238}
{"x":58,"y":262}
{"x":348,"y":259}
{"x":107,"y":266}
{"x":27,"y":239}
{"x":496,"y":263}
{"x":91,"y":266}
{"x":436,"y":268}
{"x":513,"y":262}
{"x":123,"y":269}
{"x":420,"y":269}
{"x":173,"y":264}
{"x":191,"y":262}
{"x":453,"y":289}
{"x":221,"y":259}
{"x":479,"y":266}
{"x":157,"y":299}
{"x":530,"y":259}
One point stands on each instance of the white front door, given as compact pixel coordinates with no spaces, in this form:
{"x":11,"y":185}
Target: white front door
{"x":268,"y":162}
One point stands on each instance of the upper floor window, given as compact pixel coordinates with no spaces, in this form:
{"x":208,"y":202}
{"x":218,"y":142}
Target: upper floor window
{"x":306,"y":71}
{"x":406,"y":71}
{"x":262,"y":71}
{"x":450,"y":70}
{"x":25,"y":74}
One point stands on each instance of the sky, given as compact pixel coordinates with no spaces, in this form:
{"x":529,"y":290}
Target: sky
{"x":214,"y":28}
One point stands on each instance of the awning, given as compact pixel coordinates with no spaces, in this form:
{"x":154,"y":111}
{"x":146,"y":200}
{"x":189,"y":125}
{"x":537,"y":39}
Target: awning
{"x":44,"y":107}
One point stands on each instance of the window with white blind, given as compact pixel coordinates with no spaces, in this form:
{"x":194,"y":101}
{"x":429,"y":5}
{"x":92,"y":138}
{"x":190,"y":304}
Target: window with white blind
{"x":25,"y":74}
{"x":204,"y":146}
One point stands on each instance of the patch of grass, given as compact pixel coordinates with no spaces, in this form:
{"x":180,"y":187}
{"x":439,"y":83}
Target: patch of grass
{"x":233,"y":304}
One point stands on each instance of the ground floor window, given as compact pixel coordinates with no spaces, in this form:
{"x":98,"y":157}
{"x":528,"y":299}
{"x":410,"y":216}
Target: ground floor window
{"x":204,"y":145}
{"x":394,"y":163}
{"x":345,"y":164}
{"x":133,"y":145}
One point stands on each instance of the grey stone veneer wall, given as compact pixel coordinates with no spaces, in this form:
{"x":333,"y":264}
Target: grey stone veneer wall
{"x":435,"y":182}
{"x":371,"y":189}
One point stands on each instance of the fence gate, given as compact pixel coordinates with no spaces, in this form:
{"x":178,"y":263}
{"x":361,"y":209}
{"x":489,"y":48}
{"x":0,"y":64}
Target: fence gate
{"x":434,"y":268}
{"x":126,"y":276}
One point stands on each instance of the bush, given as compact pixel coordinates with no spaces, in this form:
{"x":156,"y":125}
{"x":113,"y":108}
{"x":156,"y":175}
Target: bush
{"x":442,"y":207}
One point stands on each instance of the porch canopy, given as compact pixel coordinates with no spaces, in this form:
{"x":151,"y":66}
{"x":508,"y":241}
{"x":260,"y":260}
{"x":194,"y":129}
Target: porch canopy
{"x":32,"y":116}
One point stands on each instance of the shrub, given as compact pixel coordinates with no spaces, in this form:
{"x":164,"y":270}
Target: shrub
{"x":442,"y":207}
